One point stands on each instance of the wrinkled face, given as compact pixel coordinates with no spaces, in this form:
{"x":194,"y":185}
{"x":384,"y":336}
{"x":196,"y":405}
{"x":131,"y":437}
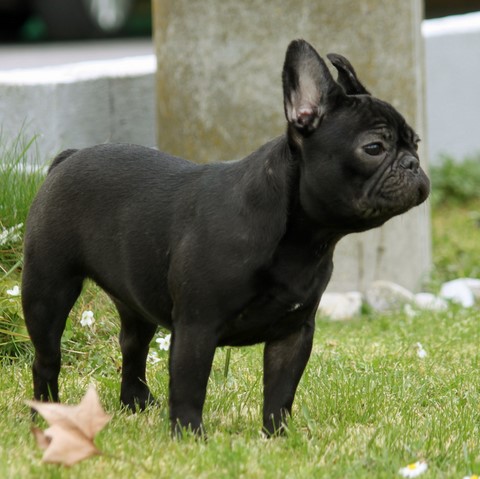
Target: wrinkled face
{"x":360,"y":166}
{"x":358,"y":157}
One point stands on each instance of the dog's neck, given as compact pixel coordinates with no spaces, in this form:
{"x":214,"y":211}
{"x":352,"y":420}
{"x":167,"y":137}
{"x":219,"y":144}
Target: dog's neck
{"x":274,"y":173}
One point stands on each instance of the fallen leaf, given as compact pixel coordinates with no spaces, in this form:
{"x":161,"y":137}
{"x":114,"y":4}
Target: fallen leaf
{"x":42,"y":440}
{"x":69,"y":439}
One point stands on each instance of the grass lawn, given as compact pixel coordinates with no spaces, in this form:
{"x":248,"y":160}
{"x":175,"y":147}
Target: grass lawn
{"x":366,"y":406}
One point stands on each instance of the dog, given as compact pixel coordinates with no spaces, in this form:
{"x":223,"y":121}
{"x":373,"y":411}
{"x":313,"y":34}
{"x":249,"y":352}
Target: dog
{"x":232,"y":253}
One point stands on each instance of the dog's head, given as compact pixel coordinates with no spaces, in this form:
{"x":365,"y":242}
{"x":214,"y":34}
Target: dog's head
{"x":359,"y":162}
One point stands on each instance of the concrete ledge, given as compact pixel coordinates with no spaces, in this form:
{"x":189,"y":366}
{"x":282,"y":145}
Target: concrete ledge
{"x":452,"y":72}
{"x":80,"y":104}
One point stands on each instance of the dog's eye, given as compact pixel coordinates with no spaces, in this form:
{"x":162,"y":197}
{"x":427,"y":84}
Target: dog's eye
{"x":374,"y":149}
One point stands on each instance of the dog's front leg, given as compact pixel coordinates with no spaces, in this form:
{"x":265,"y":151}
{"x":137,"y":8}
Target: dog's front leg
{"x":284,"y":363}
{"x":191,"y":356}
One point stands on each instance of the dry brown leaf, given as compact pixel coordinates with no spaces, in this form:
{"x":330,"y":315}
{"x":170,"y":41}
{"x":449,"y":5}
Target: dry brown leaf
{"x":69,"y":439}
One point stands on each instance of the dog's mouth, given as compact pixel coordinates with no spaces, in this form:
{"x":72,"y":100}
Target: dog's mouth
{"x":394,"y":192}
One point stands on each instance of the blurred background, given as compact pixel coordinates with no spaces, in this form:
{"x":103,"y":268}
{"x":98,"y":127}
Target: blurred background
{"x":74,"y":73}
{"x":41,"y":33}
{"x":49,"y":20}
{"x":43,"y":20}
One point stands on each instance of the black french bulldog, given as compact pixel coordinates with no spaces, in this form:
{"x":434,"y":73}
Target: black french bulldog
{"x":233,"y":253}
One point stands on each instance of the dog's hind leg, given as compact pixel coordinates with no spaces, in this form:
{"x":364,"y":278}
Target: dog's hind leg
{"x":135,"y":337}
{"x":47,"y":300}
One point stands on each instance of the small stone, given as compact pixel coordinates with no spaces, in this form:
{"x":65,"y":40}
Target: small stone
{"x":459,"y":292}
{"x":388,"y":296}
{"x":474,"y":285}
{"x":430,"y":302}
{"x":341,"y":306}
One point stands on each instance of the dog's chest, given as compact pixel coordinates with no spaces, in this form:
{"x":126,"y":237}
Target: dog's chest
{"x":285,"y":298}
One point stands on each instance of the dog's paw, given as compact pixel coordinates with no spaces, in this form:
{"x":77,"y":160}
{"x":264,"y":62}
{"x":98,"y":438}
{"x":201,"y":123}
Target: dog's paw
{"x":138,"y":402}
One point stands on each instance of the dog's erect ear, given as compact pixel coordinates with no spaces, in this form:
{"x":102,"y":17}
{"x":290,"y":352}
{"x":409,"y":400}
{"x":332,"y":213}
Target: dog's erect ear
{"x":308,"y":87}
{"x":347,"y":76}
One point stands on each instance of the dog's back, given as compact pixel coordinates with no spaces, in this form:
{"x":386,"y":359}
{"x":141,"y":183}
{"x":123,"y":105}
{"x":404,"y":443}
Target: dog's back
{"x":126,"y":216}
{"x":92,"y":204}
{"x":61,"y":157}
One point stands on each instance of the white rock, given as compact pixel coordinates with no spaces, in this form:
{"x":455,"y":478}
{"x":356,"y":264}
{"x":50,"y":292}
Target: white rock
{"x":474,"y":285}
{"x":430,"y":302}
{"x":458,"y":291}
{"x":388,"y":296}
{"x":340,"y":306}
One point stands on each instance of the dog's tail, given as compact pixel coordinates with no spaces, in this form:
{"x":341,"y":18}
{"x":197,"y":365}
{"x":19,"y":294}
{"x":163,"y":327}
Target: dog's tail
{"x":60,"y":157}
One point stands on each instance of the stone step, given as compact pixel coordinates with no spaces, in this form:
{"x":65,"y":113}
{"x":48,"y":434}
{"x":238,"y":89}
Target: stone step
{"x":80,"y":104}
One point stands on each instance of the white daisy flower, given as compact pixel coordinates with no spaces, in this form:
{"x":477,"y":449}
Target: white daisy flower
{"x":87,"y":318}
{"x":10,"y":235}
{"x":414,"y":470}
{"x":473,"y":476}
{"x":409,"y":310}
{"x":421,"y":353}
{"x":15,"y":291}
{"x":164,"y":343}
{"x":153,"y":357}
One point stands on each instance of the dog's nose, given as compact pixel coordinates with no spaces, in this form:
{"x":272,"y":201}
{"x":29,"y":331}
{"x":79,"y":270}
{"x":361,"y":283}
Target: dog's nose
{"x":410,"y":162}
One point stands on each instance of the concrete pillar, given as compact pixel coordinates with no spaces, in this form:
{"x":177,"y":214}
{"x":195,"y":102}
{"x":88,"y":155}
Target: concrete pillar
{"x":219,"y":95}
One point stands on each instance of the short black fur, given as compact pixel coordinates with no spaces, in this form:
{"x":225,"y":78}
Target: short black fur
{"x":233,"y":253}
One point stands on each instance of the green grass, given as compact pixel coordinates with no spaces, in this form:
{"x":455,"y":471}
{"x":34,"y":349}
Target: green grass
{"x":19,"y":181}
{"x":455,"y":182}
{"x":366,"y":406}
{"x":456,"y":240}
